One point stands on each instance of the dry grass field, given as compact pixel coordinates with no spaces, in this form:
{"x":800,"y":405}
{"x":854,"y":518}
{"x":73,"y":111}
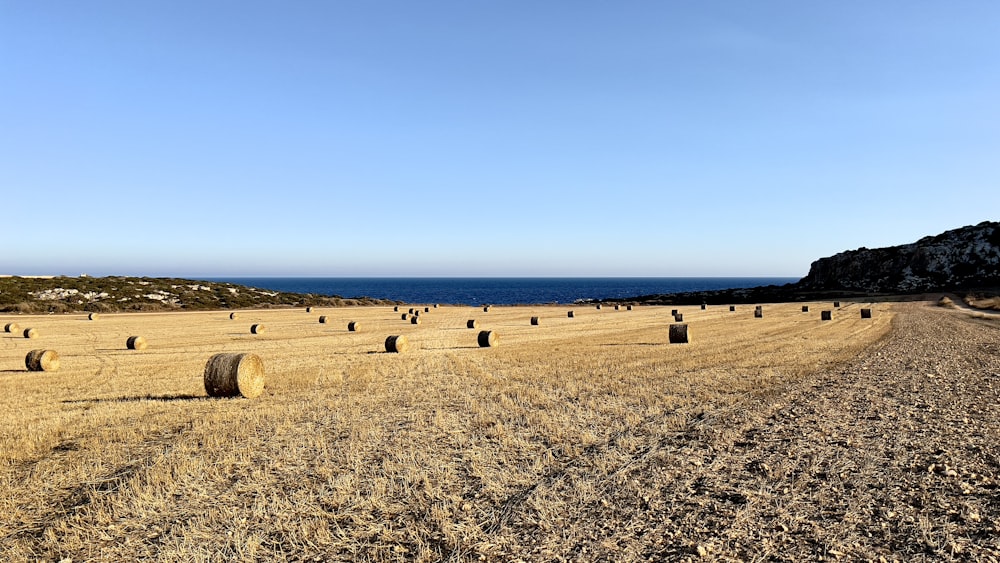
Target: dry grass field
{"x":570,"y":440}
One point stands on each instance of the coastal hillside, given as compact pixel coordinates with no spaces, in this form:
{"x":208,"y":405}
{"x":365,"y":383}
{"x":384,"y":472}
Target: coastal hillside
{"x":63,"y":294}
{"x":961,"y":259}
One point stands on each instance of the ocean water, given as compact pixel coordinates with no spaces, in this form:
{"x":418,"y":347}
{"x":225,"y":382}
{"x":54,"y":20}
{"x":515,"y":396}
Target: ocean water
{"x":498,"y":291}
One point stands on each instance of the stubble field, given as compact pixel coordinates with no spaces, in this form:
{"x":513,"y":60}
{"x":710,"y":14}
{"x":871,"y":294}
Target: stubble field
{"x":577,"y":439}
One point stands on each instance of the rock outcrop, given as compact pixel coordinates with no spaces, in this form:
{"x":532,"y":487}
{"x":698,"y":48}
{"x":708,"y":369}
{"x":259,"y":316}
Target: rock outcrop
{"x":961,"y":259}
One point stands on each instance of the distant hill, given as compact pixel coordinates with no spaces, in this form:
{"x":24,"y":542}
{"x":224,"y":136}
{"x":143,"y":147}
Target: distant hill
{"x":112,"y":294}
{"x":958,"y":260}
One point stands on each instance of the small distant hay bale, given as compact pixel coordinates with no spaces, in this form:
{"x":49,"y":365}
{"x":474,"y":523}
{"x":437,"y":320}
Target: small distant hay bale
{"x":471,"y":323}
{"x":703,"y":306}
{"x":732,"y":308}
{"x":805,"y":308}
{"x":435,"y":305}
{"x":866,"y":313}
{"x":234,"y":375}
{"x":257,"y":329}
{"x":415,"y":320}
{"x":93,"y":317}
{"x":628,"y":307}
{"x":678,"y":334}
{"x":11,"y":327}
{"x":30,"y":333}
{"x":397,"y":344}
{"x":826,"y":315}
{"x":353,"y":326}
{"x":836,"y":303}
{"x":136,"y":343}
{"x":534,"y":321}
{"x":569,"y":314}
{"x":486,"y":309}
{"x":233,"y":316}
{"x":411,"y":310}
{"x":427,"y":309}
{"x":42,"y":360}
{"x":309,"y":309}
{"x":488,"y":339}
{"x":395,"y":309}
{"x":673,"y":312}
{"x":598,"y":306}
{"x":618,"y":307}
{"x":679,"y":318}
{"x":416,"y":313}
{"x":404,"y":316}
{"x":758,"y":313}
{"x":322,"y":319}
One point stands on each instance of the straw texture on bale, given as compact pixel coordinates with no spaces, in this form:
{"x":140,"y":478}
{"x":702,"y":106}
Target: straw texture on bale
{"x":569,"y":314}
{"x":534,"y":321}
{"x":42,"y":360}
{"x":488,"y":338}
{"x":234,"y":375}
{"x":866,"y":313}
{"x":233,"y":316}
{"x":353,"y":326}
{"x":826,"y":315}
{"x":136,"y":343}
{"x":679,"y":318}
{"x":397,"y":344}
{"x":93,"y":316}
{"x":322,"y":319}
{"x":805,"y":308}
{"x":415,"y":320}
{"x":678,"y":334}
{"x":30,"y":333}
{"x":11,"y":327}
{"x":471,"y":323}
{"x":257,"y":329}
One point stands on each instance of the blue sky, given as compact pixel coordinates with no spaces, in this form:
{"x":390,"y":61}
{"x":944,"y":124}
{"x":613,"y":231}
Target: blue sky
{"x":470,"y":138}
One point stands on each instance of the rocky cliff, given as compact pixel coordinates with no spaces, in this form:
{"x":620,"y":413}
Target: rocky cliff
{"x":961,"y":259}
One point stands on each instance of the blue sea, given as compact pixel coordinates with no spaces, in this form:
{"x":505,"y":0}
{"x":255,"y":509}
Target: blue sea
{"x":498,"y":291}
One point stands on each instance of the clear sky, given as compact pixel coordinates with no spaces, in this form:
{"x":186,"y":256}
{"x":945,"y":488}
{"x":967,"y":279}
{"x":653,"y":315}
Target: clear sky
{"x":489,"y":138}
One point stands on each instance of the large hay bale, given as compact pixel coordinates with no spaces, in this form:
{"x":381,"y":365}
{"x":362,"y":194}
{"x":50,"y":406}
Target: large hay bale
{"x":488,"y":338}
{"x":11,"y":327}
{"x":534,"y":321}
{"x":322,"y":319}
{"x":679,"y":318}
{"x":805,"y":308}
{"x":569,"y":314}
{"x":93,"y":317}
{"x":42,"y":360}
{"x":234,"y":375}
{"x":233,"y":316}
{"x":30,"y":333}
{"x":866,"y":313}
{"x":136,"y":343}
{"x":826,"y":315}
{"x":415,"y":320}
{"x":471,"y":323}
{"x":353,"y":326}
{"x":397,"y":344}
{"x":678,"y":334}
{"x":257,"y":329}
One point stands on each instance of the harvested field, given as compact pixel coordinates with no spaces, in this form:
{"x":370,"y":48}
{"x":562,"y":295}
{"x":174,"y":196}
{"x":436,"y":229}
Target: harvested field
{"x":586,"y":438}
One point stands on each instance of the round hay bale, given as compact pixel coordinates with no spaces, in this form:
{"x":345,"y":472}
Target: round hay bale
{"x":826,"y":315}
{"x":866,"y":313}
{"x":322,"y":319}
{"x":673,"y":312}
{"x":136,"y":343}
{"x":471,"y":323}
{"x":257,"y":329}
{"x":42,"y":360}
{"x":414,"y":320}
{"x":397,"y":344}
{"x":353,"y":326}
{"x":836,"y":303}
{"x":234,"y":375}
{"x":427,"y":309}
{"x":598,"y":306}
{"x":309,"y":309}
{"x":435,"y":305}
{"x":405,"y":316}
{"x":11,"y":327}
{"x":395,"y":309}
{"x":732,"y":308}
{"x":679,"y":334}
{"x":416,"y":313}
{"x":628,"y":307}
{"x":410,"y":311}
{"x":93,"y":317}
{"x":233,"y":316}
{"x":534,"y":321}
{"x":569,"y":314}
{"x":679,"y":318}
{"x":488,"y":338}
{"x":30,"y":333}
{"x":618,"y":307}
{"x":486,"y":309}
{"x":805,"y":308}
{"x":703,"y":306}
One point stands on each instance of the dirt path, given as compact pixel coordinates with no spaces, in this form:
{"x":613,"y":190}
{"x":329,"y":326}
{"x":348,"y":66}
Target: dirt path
{"x":894,"y":458}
